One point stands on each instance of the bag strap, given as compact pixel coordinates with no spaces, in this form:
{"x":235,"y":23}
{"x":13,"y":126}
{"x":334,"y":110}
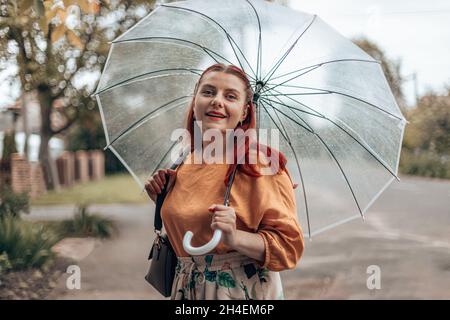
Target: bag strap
{"x":160,"y":198}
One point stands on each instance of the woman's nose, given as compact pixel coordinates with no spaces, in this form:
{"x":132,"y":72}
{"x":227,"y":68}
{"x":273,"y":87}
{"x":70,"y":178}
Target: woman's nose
{"x":217,"y":101}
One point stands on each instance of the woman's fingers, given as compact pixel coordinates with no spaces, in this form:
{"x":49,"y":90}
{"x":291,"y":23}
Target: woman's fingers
{"x":156,"y":183}
{"x":225,"y":227}
{"x":159,"y":181}
{"x":219,"y":207}
{"x":156,"y":187}
{"x":162,"y":176}
{"x":227,"y":220}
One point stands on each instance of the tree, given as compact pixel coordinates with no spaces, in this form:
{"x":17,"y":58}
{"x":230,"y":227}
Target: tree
{"x":430,"y":125}
{"x":391,"y":69}
{"x":55,"y":43}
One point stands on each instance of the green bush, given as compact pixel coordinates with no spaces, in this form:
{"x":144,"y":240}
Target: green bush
{"x":5,"y":264}
{"x":25,"y":244}
{"x":85,"y":224}
{"x":9,"y":145}
{"x":426,"y":164}
{"x":13,"y":204}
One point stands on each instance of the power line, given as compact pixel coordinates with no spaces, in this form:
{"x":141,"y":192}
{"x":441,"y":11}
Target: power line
{"x":381,"y":13}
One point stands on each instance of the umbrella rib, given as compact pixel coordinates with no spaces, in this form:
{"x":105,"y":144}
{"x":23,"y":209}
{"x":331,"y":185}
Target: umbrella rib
{"x":290,"y":109}
{"x":148,"y":73}
{"x":142,"y":119}
{"x":362,"y":144}
{"x":297,"y":76}
{"x":163,"y":157}
{"x":282,"y":131}
{"x":293,"y":120}
{"x":340,"y":168}
{"x":325,"y":62}
{"x":277,"y":65}
{"x":207,"y":50}
{"x":318,"y":114}
{"x":298,"y":167}
{"x":259,"y":59}
{"x":338,"y":93}
{"x":298,"y":94}
{"x":229,"y":37}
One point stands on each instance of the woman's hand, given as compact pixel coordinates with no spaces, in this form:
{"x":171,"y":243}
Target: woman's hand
{"x":155,"y":184}
{"x":224,"y":218}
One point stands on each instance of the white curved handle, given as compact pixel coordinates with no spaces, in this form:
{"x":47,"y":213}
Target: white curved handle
{"x":197,"y":251}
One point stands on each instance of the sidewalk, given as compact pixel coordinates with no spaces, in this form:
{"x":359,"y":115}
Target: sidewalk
{"x":405,"y":235}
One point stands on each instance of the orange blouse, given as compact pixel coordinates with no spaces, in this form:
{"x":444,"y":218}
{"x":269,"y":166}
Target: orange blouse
{"x":264,"y":205}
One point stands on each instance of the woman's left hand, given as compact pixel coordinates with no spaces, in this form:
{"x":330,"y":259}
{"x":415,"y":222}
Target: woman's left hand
{"x":224,"y":218}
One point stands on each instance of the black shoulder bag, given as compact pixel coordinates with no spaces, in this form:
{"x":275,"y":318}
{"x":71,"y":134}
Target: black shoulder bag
{"x":164,"y":260}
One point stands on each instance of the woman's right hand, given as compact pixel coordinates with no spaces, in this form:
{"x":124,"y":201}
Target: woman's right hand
{"x":155,"y":184}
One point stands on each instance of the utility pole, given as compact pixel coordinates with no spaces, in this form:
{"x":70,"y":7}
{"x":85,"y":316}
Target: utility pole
{"x":413,"y":77}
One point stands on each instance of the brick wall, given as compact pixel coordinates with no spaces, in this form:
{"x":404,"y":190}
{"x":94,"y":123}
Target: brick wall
{"x":96,"y":165}
{"x":81,"y":166}
{"x":66,"y":169}
{"x":20,"y":174}
{"x":77,"y":167}
{"x":26,"y":177}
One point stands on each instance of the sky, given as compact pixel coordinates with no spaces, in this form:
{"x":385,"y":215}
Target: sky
{"x":417,"y":32}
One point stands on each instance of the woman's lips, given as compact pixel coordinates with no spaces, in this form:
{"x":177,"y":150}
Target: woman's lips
{"x":214,"y":117}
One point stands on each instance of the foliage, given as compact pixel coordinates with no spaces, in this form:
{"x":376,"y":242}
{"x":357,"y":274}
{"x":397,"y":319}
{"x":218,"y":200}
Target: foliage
{"x":426,"y":145}
{"x":25,"y":244}
{"x":427,"y":164}
{"x":5,"y":264}
{"x":12,"y":204}
{"x":390,"y":67}
{"x":429,"y":128}
{"x":9,"y":145}
{"x":85,"y":224}
{"x":56,"y":44}
{"x":88,"y":134}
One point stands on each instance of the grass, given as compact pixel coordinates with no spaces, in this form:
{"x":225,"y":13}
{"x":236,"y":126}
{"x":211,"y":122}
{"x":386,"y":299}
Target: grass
{"x":84,"y":224}
{"x":24,"y":244}
{"x":120,"y":188}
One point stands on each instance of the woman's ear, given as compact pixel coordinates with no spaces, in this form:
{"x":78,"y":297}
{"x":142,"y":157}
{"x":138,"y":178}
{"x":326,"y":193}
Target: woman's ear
{"x":245,"y":112}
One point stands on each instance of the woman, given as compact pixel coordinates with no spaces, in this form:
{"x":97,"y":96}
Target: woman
{"x":260,"y":231}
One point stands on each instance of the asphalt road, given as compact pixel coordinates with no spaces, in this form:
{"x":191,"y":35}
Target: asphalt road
{"x":402,"y":251}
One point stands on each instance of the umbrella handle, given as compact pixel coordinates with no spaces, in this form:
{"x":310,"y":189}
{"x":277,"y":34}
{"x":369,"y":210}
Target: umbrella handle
{"x":196,"y":251}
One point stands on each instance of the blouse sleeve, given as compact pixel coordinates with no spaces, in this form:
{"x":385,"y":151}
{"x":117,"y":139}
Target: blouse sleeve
{"x":279,"y":227}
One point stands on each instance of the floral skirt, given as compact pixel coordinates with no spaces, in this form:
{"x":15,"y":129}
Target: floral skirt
{"x":230,"y":276}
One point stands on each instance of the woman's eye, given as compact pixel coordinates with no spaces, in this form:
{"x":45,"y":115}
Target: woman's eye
{"x":232,"y":97}
{"x":207,"y":92}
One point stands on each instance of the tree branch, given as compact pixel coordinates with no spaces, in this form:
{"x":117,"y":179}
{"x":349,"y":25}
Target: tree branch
{"x":69,"y":122}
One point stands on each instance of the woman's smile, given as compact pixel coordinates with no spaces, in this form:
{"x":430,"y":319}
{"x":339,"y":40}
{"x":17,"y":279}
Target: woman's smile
{"x":216,"y":116}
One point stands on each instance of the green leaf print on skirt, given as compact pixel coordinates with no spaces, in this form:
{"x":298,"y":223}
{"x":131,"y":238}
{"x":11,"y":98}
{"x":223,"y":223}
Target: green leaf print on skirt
{"x":226,"y":280}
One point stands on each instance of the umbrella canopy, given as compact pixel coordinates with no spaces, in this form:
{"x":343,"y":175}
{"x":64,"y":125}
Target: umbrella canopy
{"x":339,"y":124}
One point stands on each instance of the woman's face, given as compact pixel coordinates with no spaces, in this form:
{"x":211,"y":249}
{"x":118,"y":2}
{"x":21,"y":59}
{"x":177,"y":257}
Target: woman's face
{"x":220,"y":101}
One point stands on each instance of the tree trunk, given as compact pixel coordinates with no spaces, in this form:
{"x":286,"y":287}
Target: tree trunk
{"x":26,"y":96}
{"x":45,"y":101}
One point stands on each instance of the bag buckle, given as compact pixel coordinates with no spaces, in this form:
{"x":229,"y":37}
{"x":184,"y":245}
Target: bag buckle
{"x":158,"y":239}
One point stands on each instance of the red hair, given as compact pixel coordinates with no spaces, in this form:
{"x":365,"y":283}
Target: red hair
{"x":248,"y":123}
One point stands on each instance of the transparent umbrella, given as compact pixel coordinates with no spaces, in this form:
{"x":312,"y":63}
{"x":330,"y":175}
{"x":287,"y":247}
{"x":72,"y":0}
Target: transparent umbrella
{"x":339,"y":124}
